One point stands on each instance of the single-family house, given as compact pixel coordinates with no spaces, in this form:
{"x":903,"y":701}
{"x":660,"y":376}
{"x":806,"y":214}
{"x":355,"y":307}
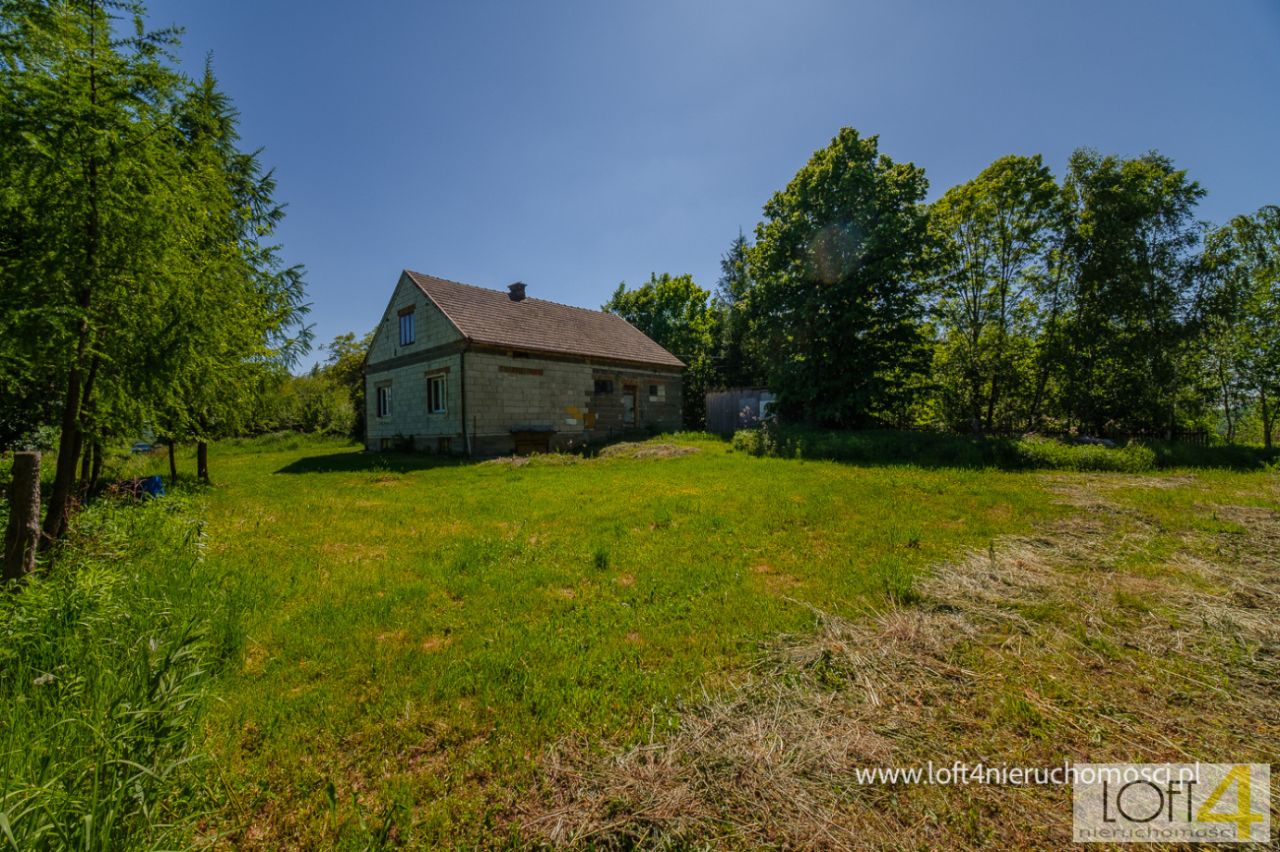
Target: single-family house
{"x":455,"y":368}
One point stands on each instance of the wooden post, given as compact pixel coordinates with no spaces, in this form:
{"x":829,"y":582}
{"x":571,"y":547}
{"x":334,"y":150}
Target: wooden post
{"x":173,"y":466}
{"x":202,"y":461}
{"x":23,"y":533}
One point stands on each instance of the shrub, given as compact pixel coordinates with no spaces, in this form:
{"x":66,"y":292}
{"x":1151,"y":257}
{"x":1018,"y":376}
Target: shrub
{"x":940,"y":449}
{"x":1056,"y":455}
{"x":103,"y":667}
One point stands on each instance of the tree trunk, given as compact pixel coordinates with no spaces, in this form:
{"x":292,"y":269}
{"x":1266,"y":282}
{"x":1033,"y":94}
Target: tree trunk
{"x":1266,"y":418}
{"x":86,"y":464}
{"x":202,"y":461}
{"x":58,"y":515}
{"x":22,"y":537}
{"x":95,"y":469}
{"x":173,"y":464}
{"x":991,"y":404}
{"x":1225,"y":387}
{"x":64,"y":476}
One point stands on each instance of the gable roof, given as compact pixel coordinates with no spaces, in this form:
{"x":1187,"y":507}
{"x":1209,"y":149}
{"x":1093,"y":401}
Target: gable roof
{"x":491,"y":317}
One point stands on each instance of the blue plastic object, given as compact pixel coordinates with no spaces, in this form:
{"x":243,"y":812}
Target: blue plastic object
{"x":152,"y":486}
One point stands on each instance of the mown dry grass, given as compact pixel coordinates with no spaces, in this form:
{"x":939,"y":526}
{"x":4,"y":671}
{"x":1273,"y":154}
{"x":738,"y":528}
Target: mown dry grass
{"x":1140,"y":627}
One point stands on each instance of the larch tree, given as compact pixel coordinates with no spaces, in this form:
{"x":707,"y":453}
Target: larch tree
{"x":736,"y":359}
{"x":90,"y":189}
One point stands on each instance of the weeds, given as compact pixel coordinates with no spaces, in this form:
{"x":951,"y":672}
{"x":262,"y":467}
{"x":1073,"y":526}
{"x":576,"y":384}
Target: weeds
{"x":104,"y":667}
{"x":938,"y":449}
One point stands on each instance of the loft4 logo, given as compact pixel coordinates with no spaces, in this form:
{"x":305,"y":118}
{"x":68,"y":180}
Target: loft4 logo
{"x":1244,"y":816}
{"x":1171,"y":803}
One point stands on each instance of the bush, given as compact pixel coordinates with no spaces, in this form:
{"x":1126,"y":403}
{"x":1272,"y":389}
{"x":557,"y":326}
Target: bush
{"x":103,"y":668}
{"x":1050,"y":454}
{"x":940,"y":449}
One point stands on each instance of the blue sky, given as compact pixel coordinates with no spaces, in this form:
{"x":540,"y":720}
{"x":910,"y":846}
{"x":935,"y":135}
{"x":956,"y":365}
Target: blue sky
{"x":573,"y":145}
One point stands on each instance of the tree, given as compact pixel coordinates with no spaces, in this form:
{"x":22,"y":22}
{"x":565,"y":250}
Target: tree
{"x":1131,"y":239}
{"x":676,"y":313}
{"x":88,"y":203}
{"x":736,"y":361}
{"x":1240,"y":316}
{"x":345,"y":366}
{"x":135,"y":269}
{"x":993,"y":238}
{"x":238,"y":319}
{"x":835,"y":262}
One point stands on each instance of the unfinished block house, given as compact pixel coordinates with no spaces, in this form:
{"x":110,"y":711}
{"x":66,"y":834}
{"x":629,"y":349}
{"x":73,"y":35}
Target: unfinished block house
{"x":460,"y":369}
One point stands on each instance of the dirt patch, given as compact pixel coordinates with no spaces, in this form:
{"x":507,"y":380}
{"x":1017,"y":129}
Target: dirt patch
{"x":1036,"y":650}
{"x":644,"y":450}
{"x":435,"y":643}
{"x":626,"y":450}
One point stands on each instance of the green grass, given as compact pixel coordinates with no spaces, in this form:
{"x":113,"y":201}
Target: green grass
{"x":423,"y":631}
{"x":378,"y":649}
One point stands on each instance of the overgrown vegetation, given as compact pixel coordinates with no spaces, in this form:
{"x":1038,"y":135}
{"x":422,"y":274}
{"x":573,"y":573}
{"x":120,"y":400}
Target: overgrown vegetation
{"x":105,"y":673}
{"x":941,"y":449}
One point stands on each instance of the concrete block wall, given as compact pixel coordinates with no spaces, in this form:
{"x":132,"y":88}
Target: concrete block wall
{"x":506,"y":392}
{"x":409,"y":415}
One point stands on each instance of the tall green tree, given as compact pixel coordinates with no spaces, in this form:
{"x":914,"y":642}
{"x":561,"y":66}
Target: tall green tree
{"x":836,"y":261}
{"x":136,"y":269}
{"x":736,"y":359}
{"x":1132,"y":239}
{"x":1240,"y":317}
{"x":236,"y":321}
{"x":677,"y":314}
{"x":994,"y":238}
{"x":90,"y":199}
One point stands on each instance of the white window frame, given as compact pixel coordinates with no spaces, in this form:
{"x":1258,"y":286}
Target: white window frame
{"x":382,"y":396}
{"x":408,"y":330}
{"x":443,"y":400}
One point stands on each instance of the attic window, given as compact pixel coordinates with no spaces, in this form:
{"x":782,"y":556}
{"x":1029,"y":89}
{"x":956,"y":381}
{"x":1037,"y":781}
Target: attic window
{"x":406,"y":327}
{"x":604,"y":386}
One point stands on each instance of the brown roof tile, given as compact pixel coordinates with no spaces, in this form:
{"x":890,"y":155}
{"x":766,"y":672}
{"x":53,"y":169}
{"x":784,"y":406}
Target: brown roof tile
{"x":491,"y":317}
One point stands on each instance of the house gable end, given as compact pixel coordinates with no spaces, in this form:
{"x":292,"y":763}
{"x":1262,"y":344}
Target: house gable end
{"x":432,"y":327}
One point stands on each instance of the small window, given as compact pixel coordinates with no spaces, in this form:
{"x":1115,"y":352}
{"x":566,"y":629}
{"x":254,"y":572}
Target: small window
{"x":384,"y":401}
{"x":435,"y":394}
{"x":604,"y":386}
{"x":406,"y":327}
{"x":386,"y":445}
{"x":444,"y":445}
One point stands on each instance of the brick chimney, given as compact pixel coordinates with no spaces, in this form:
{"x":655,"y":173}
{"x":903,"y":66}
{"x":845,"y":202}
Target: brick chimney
{"x":515,"y":292}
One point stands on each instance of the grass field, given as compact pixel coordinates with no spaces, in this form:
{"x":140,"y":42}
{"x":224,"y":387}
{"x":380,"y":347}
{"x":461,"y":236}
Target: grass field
{"x":683,"y":643}
{"x":424,"y":632}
